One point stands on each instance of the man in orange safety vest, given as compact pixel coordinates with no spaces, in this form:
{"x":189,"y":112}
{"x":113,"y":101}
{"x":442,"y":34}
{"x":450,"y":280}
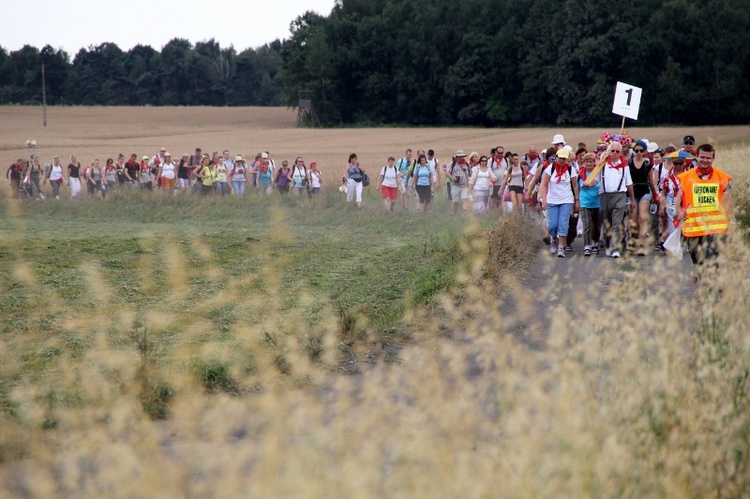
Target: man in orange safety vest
{"x":704,"y":205}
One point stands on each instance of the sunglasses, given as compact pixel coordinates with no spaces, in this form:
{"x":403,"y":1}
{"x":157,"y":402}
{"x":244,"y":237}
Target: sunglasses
{"x":639,"y":150}
{"x":689,"y":143}
{"x":678,"y":163}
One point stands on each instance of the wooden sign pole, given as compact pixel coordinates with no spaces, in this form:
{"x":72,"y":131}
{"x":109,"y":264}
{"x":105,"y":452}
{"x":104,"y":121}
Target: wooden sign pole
{"x":592,"y":176}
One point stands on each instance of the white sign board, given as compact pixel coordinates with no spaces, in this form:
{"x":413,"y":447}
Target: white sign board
{"x":627,"y":100}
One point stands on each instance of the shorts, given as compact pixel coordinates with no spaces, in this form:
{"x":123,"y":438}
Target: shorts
{"x":183,"y":183}
{"x":389,"y":192}
{"x":495,"y":191}
{"x":425,"y":193}
{"x":516,"y":188}
{"x":645,"y":197}
{"x":459,"y":193}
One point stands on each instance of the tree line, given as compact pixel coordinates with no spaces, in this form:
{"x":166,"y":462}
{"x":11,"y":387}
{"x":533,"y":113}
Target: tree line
{"x":435,"y":62}
{"x":532,"y":62}
{"x":182,"y":74}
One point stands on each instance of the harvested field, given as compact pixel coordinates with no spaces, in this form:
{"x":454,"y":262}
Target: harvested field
{"x":101,"y":132}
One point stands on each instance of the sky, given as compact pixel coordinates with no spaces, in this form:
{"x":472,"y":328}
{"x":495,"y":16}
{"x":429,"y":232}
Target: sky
{"x":75,"y":24}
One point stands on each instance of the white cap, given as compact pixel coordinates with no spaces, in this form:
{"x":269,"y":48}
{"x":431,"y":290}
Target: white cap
{"x":652,"y":147}
{"x":558,"y":139}
{"x":568,"y":148}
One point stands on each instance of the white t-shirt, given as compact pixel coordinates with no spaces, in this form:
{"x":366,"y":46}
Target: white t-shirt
{"x":314,"y":179}
{"x":167,"y":170}
{"x":560,"y":192}
{"x":664,"y":174}
{"x":55,"y":173}
{"x":481,"y":180}
{"x":389,"y":176}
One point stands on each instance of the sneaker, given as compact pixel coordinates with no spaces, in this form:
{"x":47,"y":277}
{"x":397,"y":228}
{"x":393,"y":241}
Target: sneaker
{"x":659,"y":247}
{"x":607,"y":252}
{"x":615,"y":254}
{"x":595,"y":249}
{"x":568,"y":248}
{"x":553,"y":249}
{"x":586,"y":251}
{"x":560,"y":252}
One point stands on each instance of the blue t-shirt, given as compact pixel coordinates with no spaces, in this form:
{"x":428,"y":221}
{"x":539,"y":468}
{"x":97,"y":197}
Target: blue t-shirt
{"x":403,"y":166}
{"x":264,"y":178}
{"x":589,"y":195}
{"x":423,"y":174}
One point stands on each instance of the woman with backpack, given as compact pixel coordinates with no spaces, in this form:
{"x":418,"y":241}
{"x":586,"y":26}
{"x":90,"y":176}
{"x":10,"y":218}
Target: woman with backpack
{"x":355,"y":176}
{"x":35,"y":172}
{"x":55,"y":176}
{"x":207,"y":175}
{"x":481,"y":182}
{"x":514,"y":179}
{"x":283,"y":178}
{"x":644,"y":189}
{"x":559,"y":195}
{"x":110,"y":174}
{"x":300,"y":177}
{"x":389,"y":184}
{"x":238,"y":176}
{"x":425,"y":179}
{"x":95,"y":180}
{"x":316,"y":179}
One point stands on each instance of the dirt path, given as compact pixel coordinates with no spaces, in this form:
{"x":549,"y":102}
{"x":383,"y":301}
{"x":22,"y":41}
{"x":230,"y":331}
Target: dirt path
{"x":578,"y":279}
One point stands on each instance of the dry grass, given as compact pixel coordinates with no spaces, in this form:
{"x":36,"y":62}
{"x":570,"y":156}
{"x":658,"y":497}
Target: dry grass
{"x":646,"y":397}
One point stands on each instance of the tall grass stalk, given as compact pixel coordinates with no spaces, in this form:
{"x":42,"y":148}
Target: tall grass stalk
{"x":645,"y":396}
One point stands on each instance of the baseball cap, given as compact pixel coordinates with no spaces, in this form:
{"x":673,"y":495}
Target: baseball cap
{"x":688,"y":138}
{"x":563,"y":153}
{"x":264,"y":155}
{"x":652,"y":147}
{"x":145,"y":158}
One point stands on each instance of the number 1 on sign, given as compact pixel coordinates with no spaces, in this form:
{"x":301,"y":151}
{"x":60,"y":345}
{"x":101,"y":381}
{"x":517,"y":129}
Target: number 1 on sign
{"x":630,"y":95}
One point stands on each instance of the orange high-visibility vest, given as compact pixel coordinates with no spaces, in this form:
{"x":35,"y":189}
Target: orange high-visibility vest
{"x":703,"y":202}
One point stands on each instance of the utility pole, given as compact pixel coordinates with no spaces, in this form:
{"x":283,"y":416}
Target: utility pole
{"x":44,"y":94}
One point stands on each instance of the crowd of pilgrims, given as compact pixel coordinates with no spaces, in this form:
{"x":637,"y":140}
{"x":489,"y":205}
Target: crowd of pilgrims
{"x":550,"y":181}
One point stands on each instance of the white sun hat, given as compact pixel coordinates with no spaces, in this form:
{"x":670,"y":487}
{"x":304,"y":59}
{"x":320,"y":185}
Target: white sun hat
{"x":558,"y":139}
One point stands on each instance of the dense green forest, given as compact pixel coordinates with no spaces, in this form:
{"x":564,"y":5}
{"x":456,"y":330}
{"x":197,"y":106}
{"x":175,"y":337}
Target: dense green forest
{"x":436,"y":62}
{"x":182,"y":74}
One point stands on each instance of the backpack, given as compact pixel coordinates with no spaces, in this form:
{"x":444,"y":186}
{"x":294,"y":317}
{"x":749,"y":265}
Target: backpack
{"x":459,"y":182}
{"x":569,"y":170}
